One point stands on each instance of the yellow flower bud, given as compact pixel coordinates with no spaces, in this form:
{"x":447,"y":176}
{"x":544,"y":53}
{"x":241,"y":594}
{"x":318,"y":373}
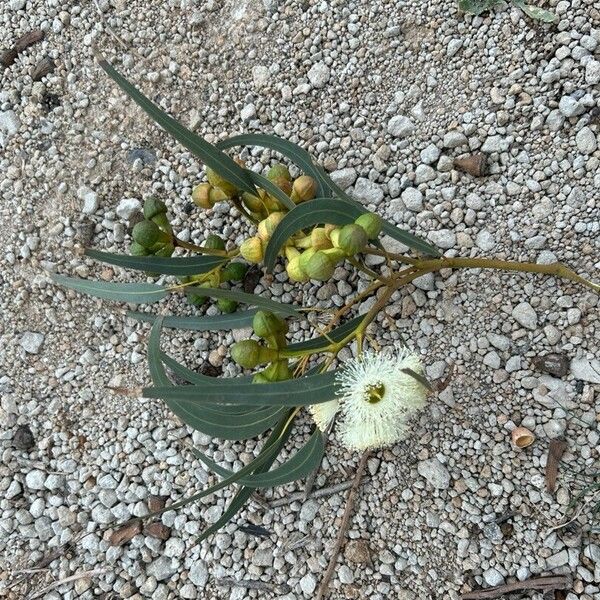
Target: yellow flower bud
{"x":304,"y":188}
{"x":319,"y":238}
{"x":295,"y":271}
{"x":252,"y":249}
{"x":352,"y":239}
{"x":215,"y":179}
{"x":306,"y":256}
{"x":371,"y":223}
{"x":320,"y":266}
{"x":254,"y":203}
{"x":278,"y":171}
{"x":267,"y":226}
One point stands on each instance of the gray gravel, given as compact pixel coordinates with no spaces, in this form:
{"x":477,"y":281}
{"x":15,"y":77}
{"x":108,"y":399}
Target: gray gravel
{"x":385,"y":95}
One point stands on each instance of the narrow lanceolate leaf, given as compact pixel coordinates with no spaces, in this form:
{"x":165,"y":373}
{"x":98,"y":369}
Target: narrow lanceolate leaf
{"x":251,"y":299}
{"x":293,"y":392}
{"x":209,"y":154}
{"x":535,"y":12}
{"x":278,"y":437}
{"x":185,"y":265}
{"x":335,"y":335}
{"x":272,"y":189}
{"x":137,"y":293}
{"x":307,"y":214}
{"x":213,"y":421}
{"x":198,"y":378}
{"x":297,"y":467}
{"x":300,"y":157}
{"x":225,"y":322}
{"x":409,"y":239}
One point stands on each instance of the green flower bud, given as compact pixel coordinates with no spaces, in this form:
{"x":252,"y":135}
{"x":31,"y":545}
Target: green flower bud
{"x":214,"y":242}
{"x":136,"y":249}
{"x":227,"y":306}
{"x":334,"y":254}
{"x":206,"y":196}
{"x":278,"y":171}
{"x":278,"y":371}
{"x":250,"y":354}
{"x":320,"y":266}
{"x":163,"y":222}
{"x":305,"y":257}
{"x":371,"y":223}
{"x":267,"y":226}
{"x":295,"y":271}
{"x":334,"y":236}
{"x":319,"y":239}
{"x":220,"y":182}
{"x":260,"y":378}
{"x":266,"y":324}
{"x":285,"y":185}
{"x":352,"y":239}
{"x":147,"y":234}
{"x":153,"y":206}
{"x":254,"y":203}
{"x":252,"y":249}
{"x":234,"y":271}
{"x":304,"y":188}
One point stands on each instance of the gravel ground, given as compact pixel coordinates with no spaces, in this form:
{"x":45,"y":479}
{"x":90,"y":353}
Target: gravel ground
{"x":384,"y":94}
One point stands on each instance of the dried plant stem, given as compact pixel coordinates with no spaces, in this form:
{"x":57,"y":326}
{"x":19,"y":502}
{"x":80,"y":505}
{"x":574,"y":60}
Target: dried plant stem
{"x":343,"y":527}
{"x":82,"y":575}
{"x":319,"y":493}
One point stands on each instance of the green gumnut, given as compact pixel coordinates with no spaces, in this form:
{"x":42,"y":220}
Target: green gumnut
{"x":266,"y":324}
{"x":166,"y":251}
{"x":153,"y":207}
{"x":214,"y":242}
{"x":234,"y":271}
{"x":371,"y":223}
{"x":198,"y":299}
{"x":278,"y":171}
{"x":353,"y":239}
{"x":136,"y":249}
{"x":246,"y":353}
{"x":146,"y":234}
{"x":227,"y":306}
{"x":163,"y":222}
{"x":320,"y":267}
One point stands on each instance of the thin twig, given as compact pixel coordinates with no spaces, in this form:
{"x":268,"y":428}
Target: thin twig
{"x":576,"y":516}
{"x":344,"y":526}
{"x":546,"y":583}
{"x":254,"y":584}
{"x":326,"y":491}
{"x":60,"y":582}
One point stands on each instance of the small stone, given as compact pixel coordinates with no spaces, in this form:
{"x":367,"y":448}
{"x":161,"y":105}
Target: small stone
{"x":260,"y":76}
{"x":345,"y":575}
{"x":592,"y":72}
{"x":357,"y":551}
{"x":367,"y":192}
{"x":485,"y":240}
{"x":308,"y":584}
{"x":158,"y":530}
{"x":495,"y":143}
{"x":555,"y":364}
{"x":23,"y":438}
{"x":156,"y":503}
{"x":455,"y":139}
{"x":309,"y":510}
{"x":162,"y":568}
{"x":9,"y":123}
{"x":413,"y":199}
{"x":454,"y":45}
{"x":128,"y":207}
{"x":319,"y":75}
{"x":569,"y":107}
{"x":557,"y":560}
{"x":31,"y":341}
{"x":586,"y":141}
{"x":586,"y":370}
{"x":262,"y":557}
{"x":145,"y":156}
{"x":430,"y":154}
{"x":248,"y":112}
{"x":493,"y":577}
{"x":199,"y":574}
{"x":492,"y":360}
{"x":493,"y":532}
{"x":35,"y":479}
{"x":435,"y":473}
{"x":424,"y":173}
{"x":525,"y":315}
{"x":344,"y":178}
{"x":444,"y":238}
{"x":90,"y":199}
{"x":400,"y":126}
{"x":406,"y":594}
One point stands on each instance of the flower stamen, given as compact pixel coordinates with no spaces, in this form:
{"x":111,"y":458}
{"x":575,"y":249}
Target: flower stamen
{"x":374,"y":393}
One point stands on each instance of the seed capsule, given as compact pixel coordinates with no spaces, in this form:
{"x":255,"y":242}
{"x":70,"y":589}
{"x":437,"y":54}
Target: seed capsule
{"x":234,"y":271}
{"x":295,"y":271}
{"x":252,"y":249}
{"x":371,"y":223}
{"x":319,"y":266}
{"x":153,"y":206}
{"x":225,"y":305}
{"x":220,"y":182}
{"x":522,"y":437}
{"x":214,"y":242}
{"x":267,"y":226}
{"x":278,"y":171}
{"x":319,"y":239}
{"x":352,"y":239}
{"x":266,"y":324}
{"x":304,"y":188}
{"x":147,"y":234}
{"x":250,"y":354}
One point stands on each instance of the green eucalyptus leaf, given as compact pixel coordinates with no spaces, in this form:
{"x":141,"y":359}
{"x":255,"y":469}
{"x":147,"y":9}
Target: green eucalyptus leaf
{"x":187,"y":265}
{"x":298,"y":466}
{"x":476,"y":7}
{"x":300,"y":157}
{"x":137,"y":293}
{"x":335,"y":335}
{"x":251,"y":299}
{"x":236,"y":320}
{"x":224,"y":165}
{"x":535,"y":12}
{"x":303,"y":391}
{"x":198,"y":378}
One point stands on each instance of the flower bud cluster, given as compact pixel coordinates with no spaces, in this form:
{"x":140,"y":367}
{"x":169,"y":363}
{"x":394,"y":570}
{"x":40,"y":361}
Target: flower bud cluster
{"x":153,"y":236}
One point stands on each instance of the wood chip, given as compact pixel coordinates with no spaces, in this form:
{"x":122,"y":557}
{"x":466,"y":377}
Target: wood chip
{"x":156,"y":503}
{"x":43,"y":68}
{"x":124,"y":534}
{"x":473,"y":164}
{"x":9,"y":57}
{"x":158,"y":531}
{"x":546,"y":583}
{"x":555,"y":451}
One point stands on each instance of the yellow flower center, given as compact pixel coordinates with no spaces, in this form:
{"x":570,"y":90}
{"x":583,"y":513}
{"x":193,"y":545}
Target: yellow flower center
{"x":374,"y":393}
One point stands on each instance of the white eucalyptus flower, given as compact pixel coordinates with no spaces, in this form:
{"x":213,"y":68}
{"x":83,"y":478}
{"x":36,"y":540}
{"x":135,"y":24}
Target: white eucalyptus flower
{"x":377,"y":396}
{"x":324,"y":413}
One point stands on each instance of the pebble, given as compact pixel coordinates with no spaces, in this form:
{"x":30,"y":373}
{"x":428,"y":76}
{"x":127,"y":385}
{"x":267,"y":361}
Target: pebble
{"x":443,"y":238}
{"x":319,"y":75}
{"x":31,"y":341}
{"x":586,"y":141}
{"x":400,"y":126}
{"x":308,"y":584}
{"x":199,"y":574}
{"x":344,"y":178}
{"x":413,"y":199}
{"x":128,"y":207}
{"x":525,"y":315}
{"x":435,"y":473}
{"x":586,"y":370}
{"x":35,"y":479}
{"x":91,"y":203}
{"x":367,"y":192}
